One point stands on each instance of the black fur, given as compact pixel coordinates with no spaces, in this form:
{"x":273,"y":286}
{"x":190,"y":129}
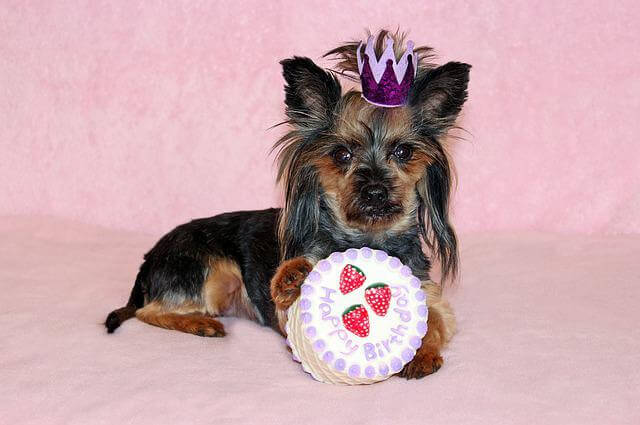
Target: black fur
{"x":433,"y":192}
{"x":311,"y":94}
{"x":329,"y":238}
{"x":176,"y":268}
{"x":438,"y":95}
{"x":437,"y":98}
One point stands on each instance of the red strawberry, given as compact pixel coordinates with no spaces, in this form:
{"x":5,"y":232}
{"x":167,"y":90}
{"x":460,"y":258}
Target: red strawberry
{"x":378,"y":296}
{"x":356,"y":320}
{"x":351,"y":278}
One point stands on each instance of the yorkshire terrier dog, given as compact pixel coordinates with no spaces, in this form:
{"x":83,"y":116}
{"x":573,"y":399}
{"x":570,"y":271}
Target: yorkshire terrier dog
{"x":359,"y":169}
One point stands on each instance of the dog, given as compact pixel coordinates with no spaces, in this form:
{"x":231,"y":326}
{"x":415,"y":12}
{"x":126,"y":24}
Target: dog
{"x":354,"y":174}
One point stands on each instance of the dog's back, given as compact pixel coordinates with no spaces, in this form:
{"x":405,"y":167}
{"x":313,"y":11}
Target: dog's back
{"x":205,"y":268}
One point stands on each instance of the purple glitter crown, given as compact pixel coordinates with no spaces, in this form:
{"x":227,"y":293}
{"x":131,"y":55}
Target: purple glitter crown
{"x":386,"y":82}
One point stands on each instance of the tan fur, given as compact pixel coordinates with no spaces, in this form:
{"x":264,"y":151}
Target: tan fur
{"x":223,"y":294}
{"x":282,"y":318}
{"x":354,"y":118}
{"x":185,"y":318}
{"x":356,"y":124}
{"x":441,"y":306}
{"x":441,"y":326}
{"x":285,"y":284}
{"x":285,"y":287}
{"x":355,"y":111}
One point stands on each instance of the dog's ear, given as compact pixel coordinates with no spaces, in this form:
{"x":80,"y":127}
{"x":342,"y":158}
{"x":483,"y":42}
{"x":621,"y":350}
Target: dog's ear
{"x":438,"y":94}
{"x":434,"y":190}
{"x":311,"y":94}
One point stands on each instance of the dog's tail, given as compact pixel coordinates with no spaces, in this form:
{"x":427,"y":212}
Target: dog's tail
{"x":136,"y":301}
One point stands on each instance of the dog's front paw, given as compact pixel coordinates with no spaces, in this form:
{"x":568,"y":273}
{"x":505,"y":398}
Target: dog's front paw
{"x":426,"y":362}
{"x":285,"y":285}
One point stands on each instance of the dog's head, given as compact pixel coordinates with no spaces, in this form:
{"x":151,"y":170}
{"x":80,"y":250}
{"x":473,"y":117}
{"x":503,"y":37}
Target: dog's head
{"x":375,"y":170}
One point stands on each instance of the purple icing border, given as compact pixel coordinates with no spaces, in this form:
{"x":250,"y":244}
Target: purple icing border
{"x":384,"y":368}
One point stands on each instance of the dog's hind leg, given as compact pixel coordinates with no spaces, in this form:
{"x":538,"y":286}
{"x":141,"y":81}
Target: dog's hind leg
{"x":223,"y":293}
{"x":186,"y":317}
{"x":441,"y":325}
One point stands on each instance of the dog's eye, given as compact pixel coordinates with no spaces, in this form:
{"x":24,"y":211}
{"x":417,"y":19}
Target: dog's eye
{"x":402,"y":152}
{"x":342,"y":156}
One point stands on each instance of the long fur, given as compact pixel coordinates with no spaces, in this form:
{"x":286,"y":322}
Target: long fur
{"x":435,"y":101}
{"x":325,"y":207}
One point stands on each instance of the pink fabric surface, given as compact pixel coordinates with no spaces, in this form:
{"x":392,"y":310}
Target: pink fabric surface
{"x":140,"y":115}
{"x":548,"y":335}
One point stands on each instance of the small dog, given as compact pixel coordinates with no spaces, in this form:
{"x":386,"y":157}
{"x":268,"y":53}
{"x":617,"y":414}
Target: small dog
{"x":354,"y":175}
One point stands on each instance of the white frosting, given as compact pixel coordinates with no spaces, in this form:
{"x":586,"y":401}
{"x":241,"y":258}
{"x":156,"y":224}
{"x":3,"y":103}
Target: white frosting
{"x":332,"y":353}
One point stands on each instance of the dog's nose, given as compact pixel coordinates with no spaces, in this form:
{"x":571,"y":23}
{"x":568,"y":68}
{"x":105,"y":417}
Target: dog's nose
{"x":374,"y":194}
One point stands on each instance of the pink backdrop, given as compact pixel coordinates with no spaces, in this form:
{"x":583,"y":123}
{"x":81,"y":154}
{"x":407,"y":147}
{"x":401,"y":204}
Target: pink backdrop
{"x":141,"y":115}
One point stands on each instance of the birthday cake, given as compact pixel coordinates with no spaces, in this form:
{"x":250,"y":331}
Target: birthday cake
{"x":360,"y":318}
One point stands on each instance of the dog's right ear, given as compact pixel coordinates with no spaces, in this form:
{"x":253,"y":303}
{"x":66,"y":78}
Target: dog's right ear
{"x":311,"y":94}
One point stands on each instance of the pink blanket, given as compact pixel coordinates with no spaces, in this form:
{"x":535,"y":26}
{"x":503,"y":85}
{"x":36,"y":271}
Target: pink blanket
{"x":548,"y":334}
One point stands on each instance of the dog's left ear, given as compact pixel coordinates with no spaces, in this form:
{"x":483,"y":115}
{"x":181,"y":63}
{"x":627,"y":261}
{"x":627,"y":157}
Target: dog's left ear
{"x":311,"y":94}
{"x":438,"y":94}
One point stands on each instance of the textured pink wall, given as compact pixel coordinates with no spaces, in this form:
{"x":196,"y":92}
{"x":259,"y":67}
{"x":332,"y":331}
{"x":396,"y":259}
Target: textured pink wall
{"x":141,"y":115}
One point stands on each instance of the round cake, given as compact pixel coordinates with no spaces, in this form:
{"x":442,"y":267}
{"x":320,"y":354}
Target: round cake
{"x":360,"y":318}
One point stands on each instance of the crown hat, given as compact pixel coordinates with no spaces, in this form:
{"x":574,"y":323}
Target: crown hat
{"x":385,"y":81}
